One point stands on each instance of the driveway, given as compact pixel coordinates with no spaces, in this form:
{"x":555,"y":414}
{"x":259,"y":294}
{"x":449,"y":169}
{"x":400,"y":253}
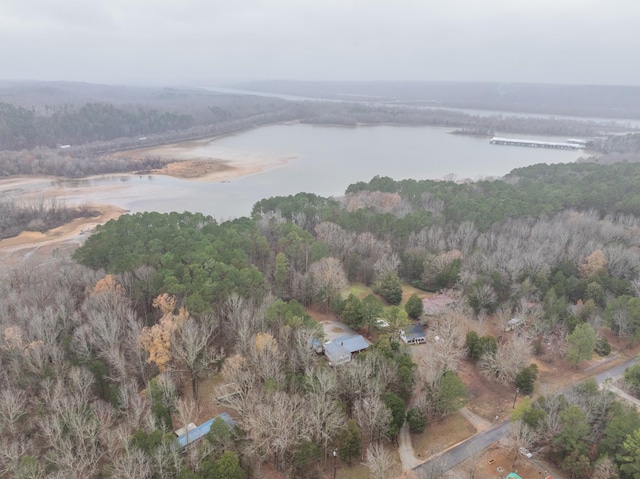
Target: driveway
{"x":334,"y":329}
{"x":405,"y":448}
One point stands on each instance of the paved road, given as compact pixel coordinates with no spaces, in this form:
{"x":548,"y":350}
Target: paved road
{"x":435,"y":466}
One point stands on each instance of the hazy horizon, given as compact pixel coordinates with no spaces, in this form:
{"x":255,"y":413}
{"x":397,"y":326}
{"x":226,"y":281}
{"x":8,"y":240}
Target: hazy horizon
{"x":200,"y":43}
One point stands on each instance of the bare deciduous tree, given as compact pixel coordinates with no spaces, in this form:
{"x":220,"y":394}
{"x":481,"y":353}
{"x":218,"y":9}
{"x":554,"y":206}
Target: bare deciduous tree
{"x":448,"y":349}
{"x":326,"y":417}
{"x":191,"y":351}
{"x":13,"y":406}
{"x":520,"y":436}
{"x":330,"y":279}
{"x":605,"y":469}
{"x":387,"y":264}
{"x":510,"y":358}
{"x":276,"y":425}
{"x":133,"y":463}
{"x":379,"y":461}
{"x":359,"y":379}
{"x":373,"y":417}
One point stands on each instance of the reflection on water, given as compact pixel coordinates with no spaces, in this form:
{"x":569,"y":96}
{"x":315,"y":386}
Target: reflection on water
{"x":328,"y":160}
{"x":93,"y":181}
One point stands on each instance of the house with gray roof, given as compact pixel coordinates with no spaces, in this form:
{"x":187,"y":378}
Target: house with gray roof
{"x":340,"y":350}
{"x":414,"y":335}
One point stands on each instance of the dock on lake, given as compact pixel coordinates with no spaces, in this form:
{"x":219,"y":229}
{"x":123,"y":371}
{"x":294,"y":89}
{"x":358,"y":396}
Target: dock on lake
{"x":535,"y":143}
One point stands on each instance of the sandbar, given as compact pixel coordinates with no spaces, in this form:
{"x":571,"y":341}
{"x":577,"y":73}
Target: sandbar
{"x":66,"y":237}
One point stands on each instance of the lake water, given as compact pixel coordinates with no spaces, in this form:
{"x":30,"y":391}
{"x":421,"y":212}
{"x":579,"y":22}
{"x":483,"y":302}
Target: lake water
{"x":327,"y":160}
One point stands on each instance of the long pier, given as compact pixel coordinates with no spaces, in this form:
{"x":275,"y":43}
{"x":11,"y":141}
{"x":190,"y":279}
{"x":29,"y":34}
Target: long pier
{"x":535,"y":143}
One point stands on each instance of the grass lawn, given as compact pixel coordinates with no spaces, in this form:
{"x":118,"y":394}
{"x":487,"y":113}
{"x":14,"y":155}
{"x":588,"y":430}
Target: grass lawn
{"x":359,"y":290}
{"x":359,"y":471}
{"x":408,"y":290}
{"x":441,"y":435}
{"x":356,"y":471}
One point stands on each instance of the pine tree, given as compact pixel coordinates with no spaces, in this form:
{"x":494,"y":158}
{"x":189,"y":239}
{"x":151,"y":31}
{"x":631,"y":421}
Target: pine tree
{"x":350,"y":442}
{"x":391,"y":288}
{"x":581,"y":343}
{"x":526,"y":379}
{"x":414,"y":307}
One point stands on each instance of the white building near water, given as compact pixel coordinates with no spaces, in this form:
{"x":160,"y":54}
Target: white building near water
{"x":340,"y":350}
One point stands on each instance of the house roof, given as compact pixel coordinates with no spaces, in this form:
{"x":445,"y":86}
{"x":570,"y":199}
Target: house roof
{"x":203,"y":429}
{"x":353,"y":344}
{"x":335,"y":350}
{"x":415,"y":331}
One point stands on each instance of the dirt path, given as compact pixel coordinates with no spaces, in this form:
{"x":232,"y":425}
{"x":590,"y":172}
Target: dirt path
{"x":480,"y":423}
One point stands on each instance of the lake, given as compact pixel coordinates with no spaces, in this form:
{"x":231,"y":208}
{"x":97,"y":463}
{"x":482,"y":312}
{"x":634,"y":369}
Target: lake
{"x":326,"y":161}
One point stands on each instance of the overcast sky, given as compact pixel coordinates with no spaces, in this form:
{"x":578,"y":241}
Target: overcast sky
{"x":198,"y":42}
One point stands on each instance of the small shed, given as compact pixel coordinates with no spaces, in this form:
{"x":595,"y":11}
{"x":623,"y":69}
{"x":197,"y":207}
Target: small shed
{"x":513,"y":323}
{"x":316,"y":345}
{"x":200,"y":431}
{"x":339,"y":350}
{"x":414,"y":335}
{"x":185,"y":429}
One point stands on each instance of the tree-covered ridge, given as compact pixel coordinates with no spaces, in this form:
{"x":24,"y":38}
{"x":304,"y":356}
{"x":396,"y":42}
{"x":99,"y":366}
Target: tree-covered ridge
{"x":534,"y":191}
{"x":24,"y":129}
{"x":190,"y":254}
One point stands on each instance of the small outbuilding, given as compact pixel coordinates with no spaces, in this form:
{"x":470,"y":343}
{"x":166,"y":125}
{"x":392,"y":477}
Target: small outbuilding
{"x":192,"y":434}
{"x":513,"y":323}
{"x":340,"y":350}
{"x":316,"y":345}
{"x":414,"y":335}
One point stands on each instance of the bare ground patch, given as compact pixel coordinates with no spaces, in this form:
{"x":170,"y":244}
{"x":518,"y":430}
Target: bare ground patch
{"x":68,"y":236}
{"x":441,"y":435}
{"x":486,"y":464}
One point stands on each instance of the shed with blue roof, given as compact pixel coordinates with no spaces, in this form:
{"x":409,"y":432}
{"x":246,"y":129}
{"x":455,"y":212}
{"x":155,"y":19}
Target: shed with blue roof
{"x":200,"y":431}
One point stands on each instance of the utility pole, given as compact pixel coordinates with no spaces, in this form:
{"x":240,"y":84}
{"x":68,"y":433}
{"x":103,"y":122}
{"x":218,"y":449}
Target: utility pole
{"x":335,"y":464}
{"x":515,"y":397}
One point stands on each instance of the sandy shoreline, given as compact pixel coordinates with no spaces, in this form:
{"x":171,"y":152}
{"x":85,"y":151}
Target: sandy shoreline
{"x":202,"y":160}
{"x":66,"y":237}
{"x":187,"y":166}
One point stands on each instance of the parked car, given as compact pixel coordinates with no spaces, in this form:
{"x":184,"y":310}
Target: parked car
{"x":525,"y":453}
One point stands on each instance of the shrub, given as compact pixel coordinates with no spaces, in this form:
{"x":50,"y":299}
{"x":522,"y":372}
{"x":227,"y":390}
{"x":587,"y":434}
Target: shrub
{"x":416,"y":420}
{"x":603,"y":348}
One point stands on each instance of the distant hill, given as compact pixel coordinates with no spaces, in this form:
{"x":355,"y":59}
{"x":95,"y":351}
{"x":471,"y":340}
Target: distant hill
{"x":578,"y":100}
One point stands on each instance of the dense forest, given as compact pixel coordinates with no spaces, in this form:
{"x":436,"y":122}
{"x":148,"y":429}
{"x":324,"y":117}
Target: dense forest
{"x":104,"y":355}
